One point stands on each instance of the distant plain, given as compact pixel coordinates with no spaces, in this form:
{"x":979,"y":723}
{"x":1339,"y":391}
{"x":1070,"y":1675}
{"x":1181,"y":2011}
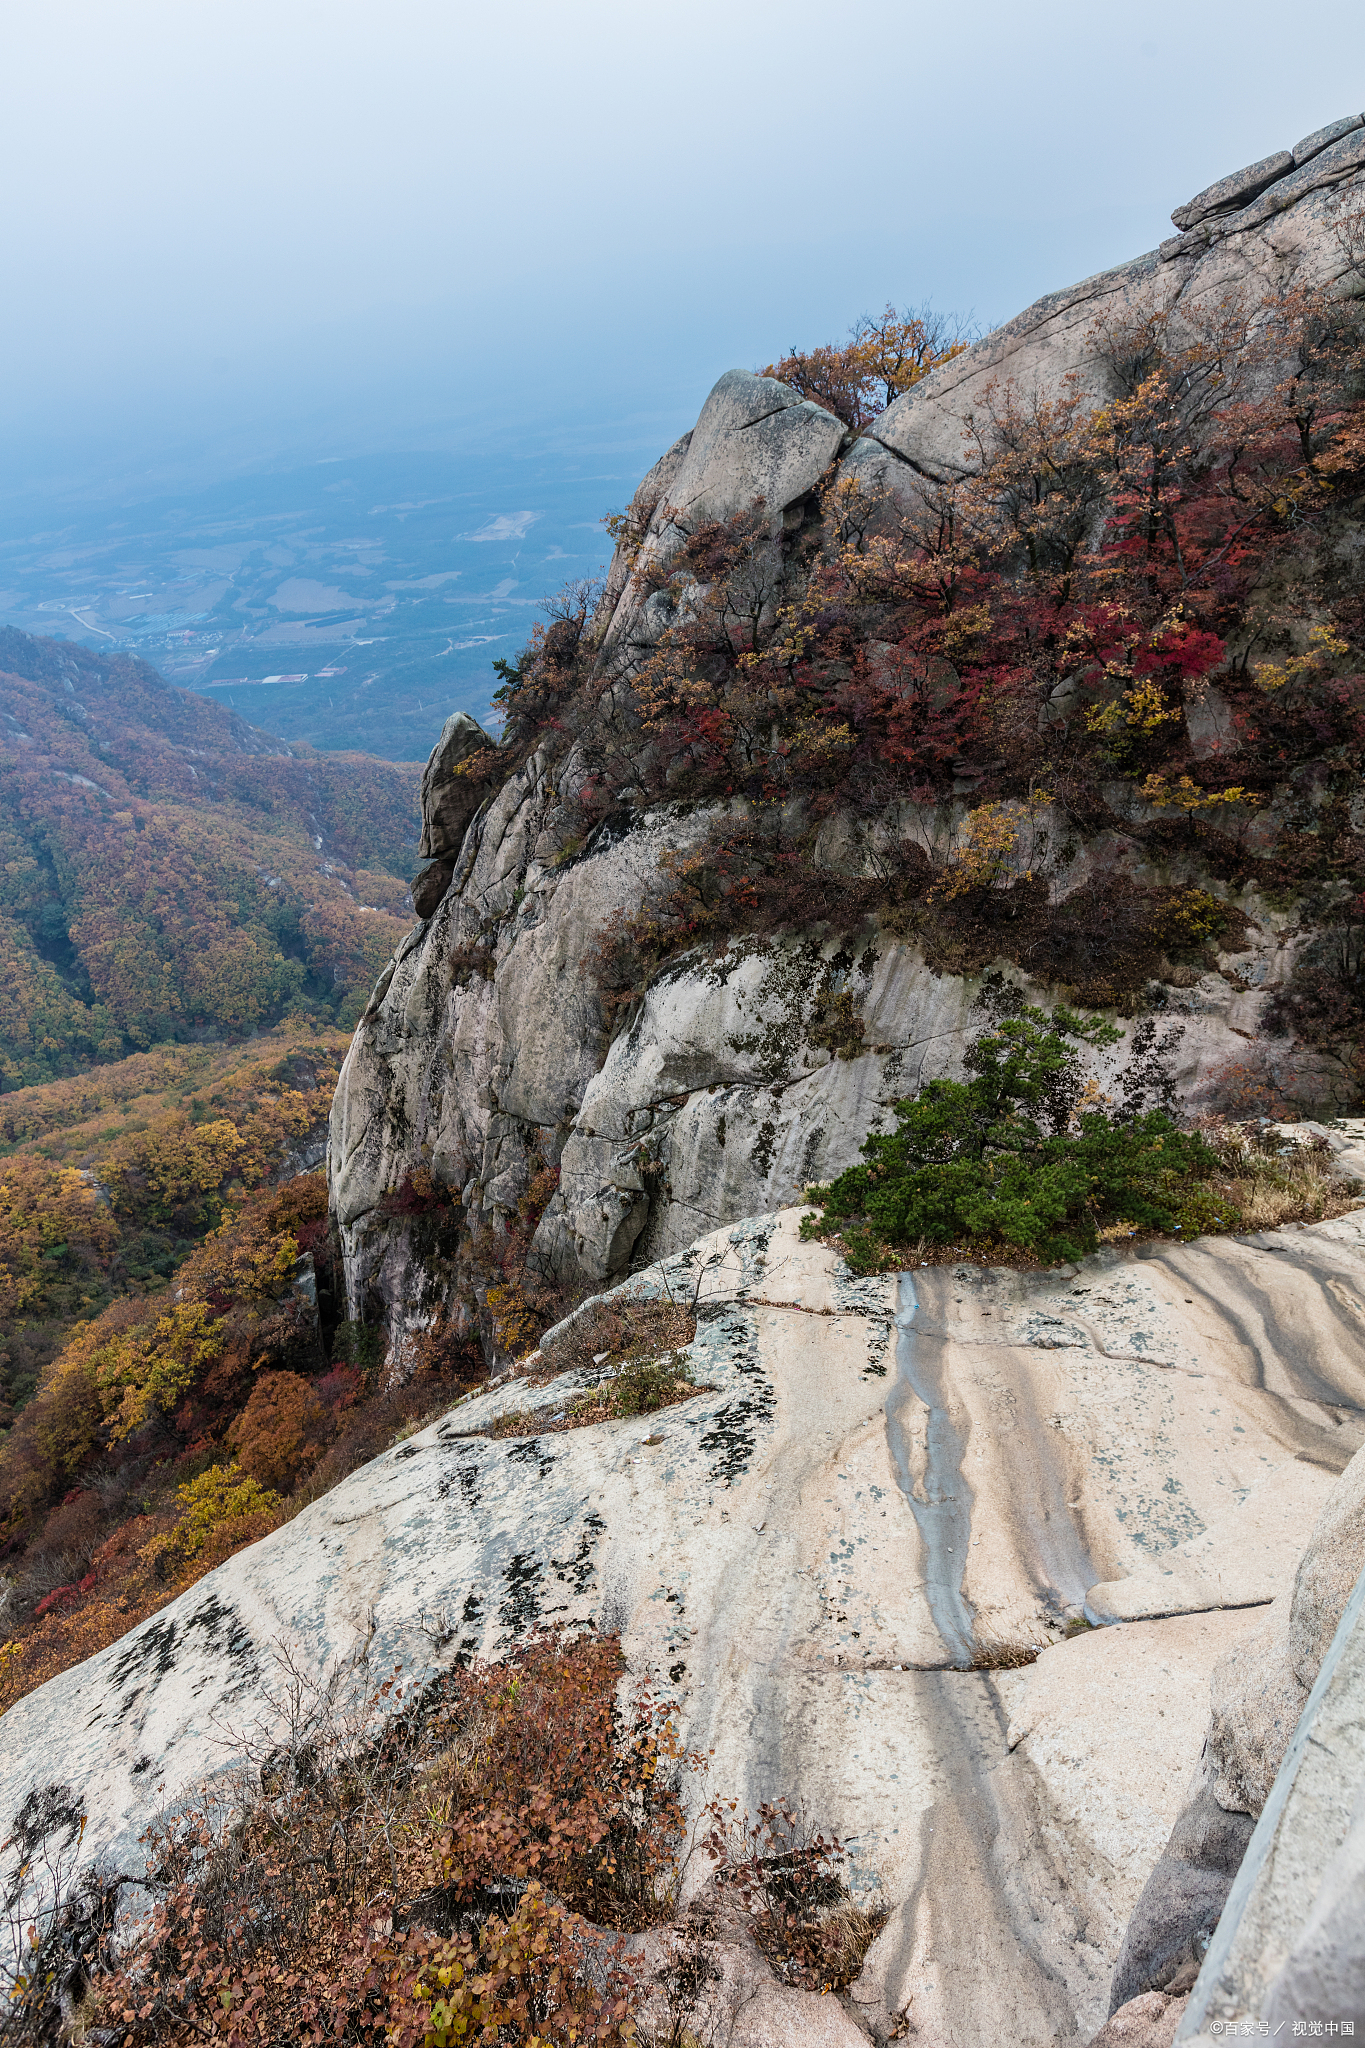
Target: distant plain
{"x":353,"y":603}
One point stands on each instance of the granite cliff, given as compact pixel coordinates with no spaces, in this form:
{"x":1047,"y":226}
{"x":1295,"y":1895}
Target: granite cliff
{"x":727,"y":1082}
{"x":1041,"y":1592}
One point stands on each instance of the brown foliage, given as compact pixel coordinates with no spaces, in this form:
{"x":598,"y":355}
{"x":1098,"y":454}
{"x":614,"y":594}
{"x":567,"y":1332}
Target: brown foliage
{"x":1323,"y":1003}
{"x":613,"y":1329}
{"x":122,"y":1171}
{"x":881,"y":358}
{"x":281,"y":1431}
{"x":1025,"y":638}
{"x":129,"y":1439}
{"x":639,"y":1387}
{"x":388,"y":1861}
{"x":788,"y":1876}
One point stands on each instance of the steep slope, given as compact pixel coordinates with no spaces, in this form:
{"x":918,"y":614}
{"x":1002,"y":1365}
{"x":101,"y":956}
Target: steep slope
{"x":853,"y":757}
{"x":169,"y":870}
{"x":1044,"y":685}
{"x":866,"y":1470}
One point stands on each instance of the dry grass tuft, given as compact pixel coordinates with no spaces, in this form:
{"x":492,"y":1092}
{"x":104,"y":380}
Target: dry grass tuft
{"x":638,"y":1387}
{"x":611,"y":1331}
{"x":849,"y":1933}
{"x":992,"y":1655}
{"x":1271,"y":1179}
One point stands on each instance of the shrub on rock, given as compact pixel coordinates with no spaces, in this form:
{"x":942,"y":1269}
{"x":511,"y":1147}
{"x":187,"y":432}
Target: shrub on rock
{"x":1016,"y":1156}
{"x":281,"y":1431}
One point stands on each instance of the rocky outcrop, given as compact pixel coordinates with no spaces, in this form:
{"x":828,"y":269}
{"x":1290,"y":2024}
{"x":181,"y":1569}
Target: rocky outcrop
{"x":1250,"y":199}
{"x":449,"y":801}
{"x":486,"y":1054}
{"x":877,"y":1484}
{"x":953,"y":1559}
{"x":1289,"y":1951}
{"x":1288,"y":233}
{"x":1232,"y":195}
{"x":1259,"y":1695}
{"x":756,"y":442}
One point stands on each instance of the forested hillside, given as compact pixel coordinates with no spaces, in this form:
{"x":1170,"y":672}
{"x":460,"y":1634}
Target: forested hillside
{"x":148,"y":1429}
{"x":167,"y":872}
{"x":192,"y":915}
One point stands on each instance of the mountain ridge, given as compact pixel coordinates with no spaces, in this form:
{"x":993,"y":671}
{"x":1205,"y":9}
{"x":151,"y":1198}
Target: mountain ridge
{"x":170,"y":870}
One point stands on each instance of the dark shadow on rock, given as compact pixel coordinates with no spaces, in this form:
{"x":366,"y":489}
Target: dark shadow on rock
{"x":1174,"y":1919}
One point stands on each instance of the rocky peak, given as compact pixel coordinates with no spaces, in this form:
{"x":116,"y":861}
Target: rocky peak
{"x":1239,"y":188}
{"x":489,"y":1055}
{"x":1249,"y":198}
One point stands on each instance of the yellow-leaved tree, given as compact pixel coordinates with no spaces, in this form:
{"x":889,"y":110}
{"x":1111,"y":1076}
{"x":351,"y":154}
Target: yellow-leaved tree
{"x":882,"y":357}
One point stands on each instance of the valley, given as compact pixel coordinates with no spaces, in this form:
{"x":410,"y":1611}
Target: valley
{"x":349,"y":604}
{"x":791,"y":1467}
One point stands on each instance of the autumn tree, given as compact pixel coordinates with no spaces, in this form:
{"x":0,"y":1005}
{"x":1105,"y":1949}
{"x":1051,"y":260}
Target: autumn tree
{"x":281,"y":1431}
{"x":883,"y":356}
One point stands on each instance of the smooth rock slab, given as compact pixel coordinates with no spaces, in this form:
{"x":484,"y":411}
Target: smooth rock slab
{"x":1032,"y":1855}
{"x":884,"y":1477}
{"x":1241,"y":1560}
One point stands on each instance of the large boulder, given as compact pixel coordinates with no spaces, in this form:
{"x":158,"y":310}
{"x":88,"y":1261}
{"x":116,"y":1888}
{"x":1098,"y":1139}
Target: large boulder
{"x":756,"y":441}
{"x":449,"y":800}
{"x":755,"y":438}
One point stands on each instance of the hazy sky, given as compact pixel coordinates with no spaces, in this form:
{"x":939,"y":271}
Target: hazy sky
{"x":248,"y":225}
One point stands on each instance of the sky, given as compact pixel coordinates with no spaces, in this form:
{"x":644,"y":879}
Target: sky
{"x":241,"y":230}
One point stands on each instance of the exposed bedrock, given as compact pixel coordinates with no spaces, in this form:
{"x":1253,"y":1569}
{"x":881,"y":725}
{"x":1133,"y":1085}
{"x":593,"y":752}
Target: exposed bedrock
{"x":486,"y":1053}
{"x":877,"y":1482}
{"x":1288,"y":1954}
{"x":741,"y":1078}
{"x":1259,"y":1695}
{"x":1269,"y":235}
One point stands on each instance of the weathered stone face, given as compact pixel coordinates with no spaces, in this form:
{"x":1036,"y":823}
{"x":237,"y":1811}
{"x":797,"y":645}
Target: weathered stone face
{"x":486,"y":1052}
{"x":449,"y":800}
{"x":1260,"y":1692}
{"x":1238,"y":189}
{"x":430,"y":885}
{"x":883,"y":1493}
{"x":1286,"y":234}
{"x":876,"y":1481}
{"x":756,"y":440}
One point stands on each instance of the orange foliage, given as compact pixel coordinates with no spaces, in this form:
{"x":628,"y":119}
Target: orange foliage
{"x":138,"y":1571}
{"x":881,"y":358}
{"x":281,"y":1431}
{"x":50,"y":1217}
{"x":158,"y":1166}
